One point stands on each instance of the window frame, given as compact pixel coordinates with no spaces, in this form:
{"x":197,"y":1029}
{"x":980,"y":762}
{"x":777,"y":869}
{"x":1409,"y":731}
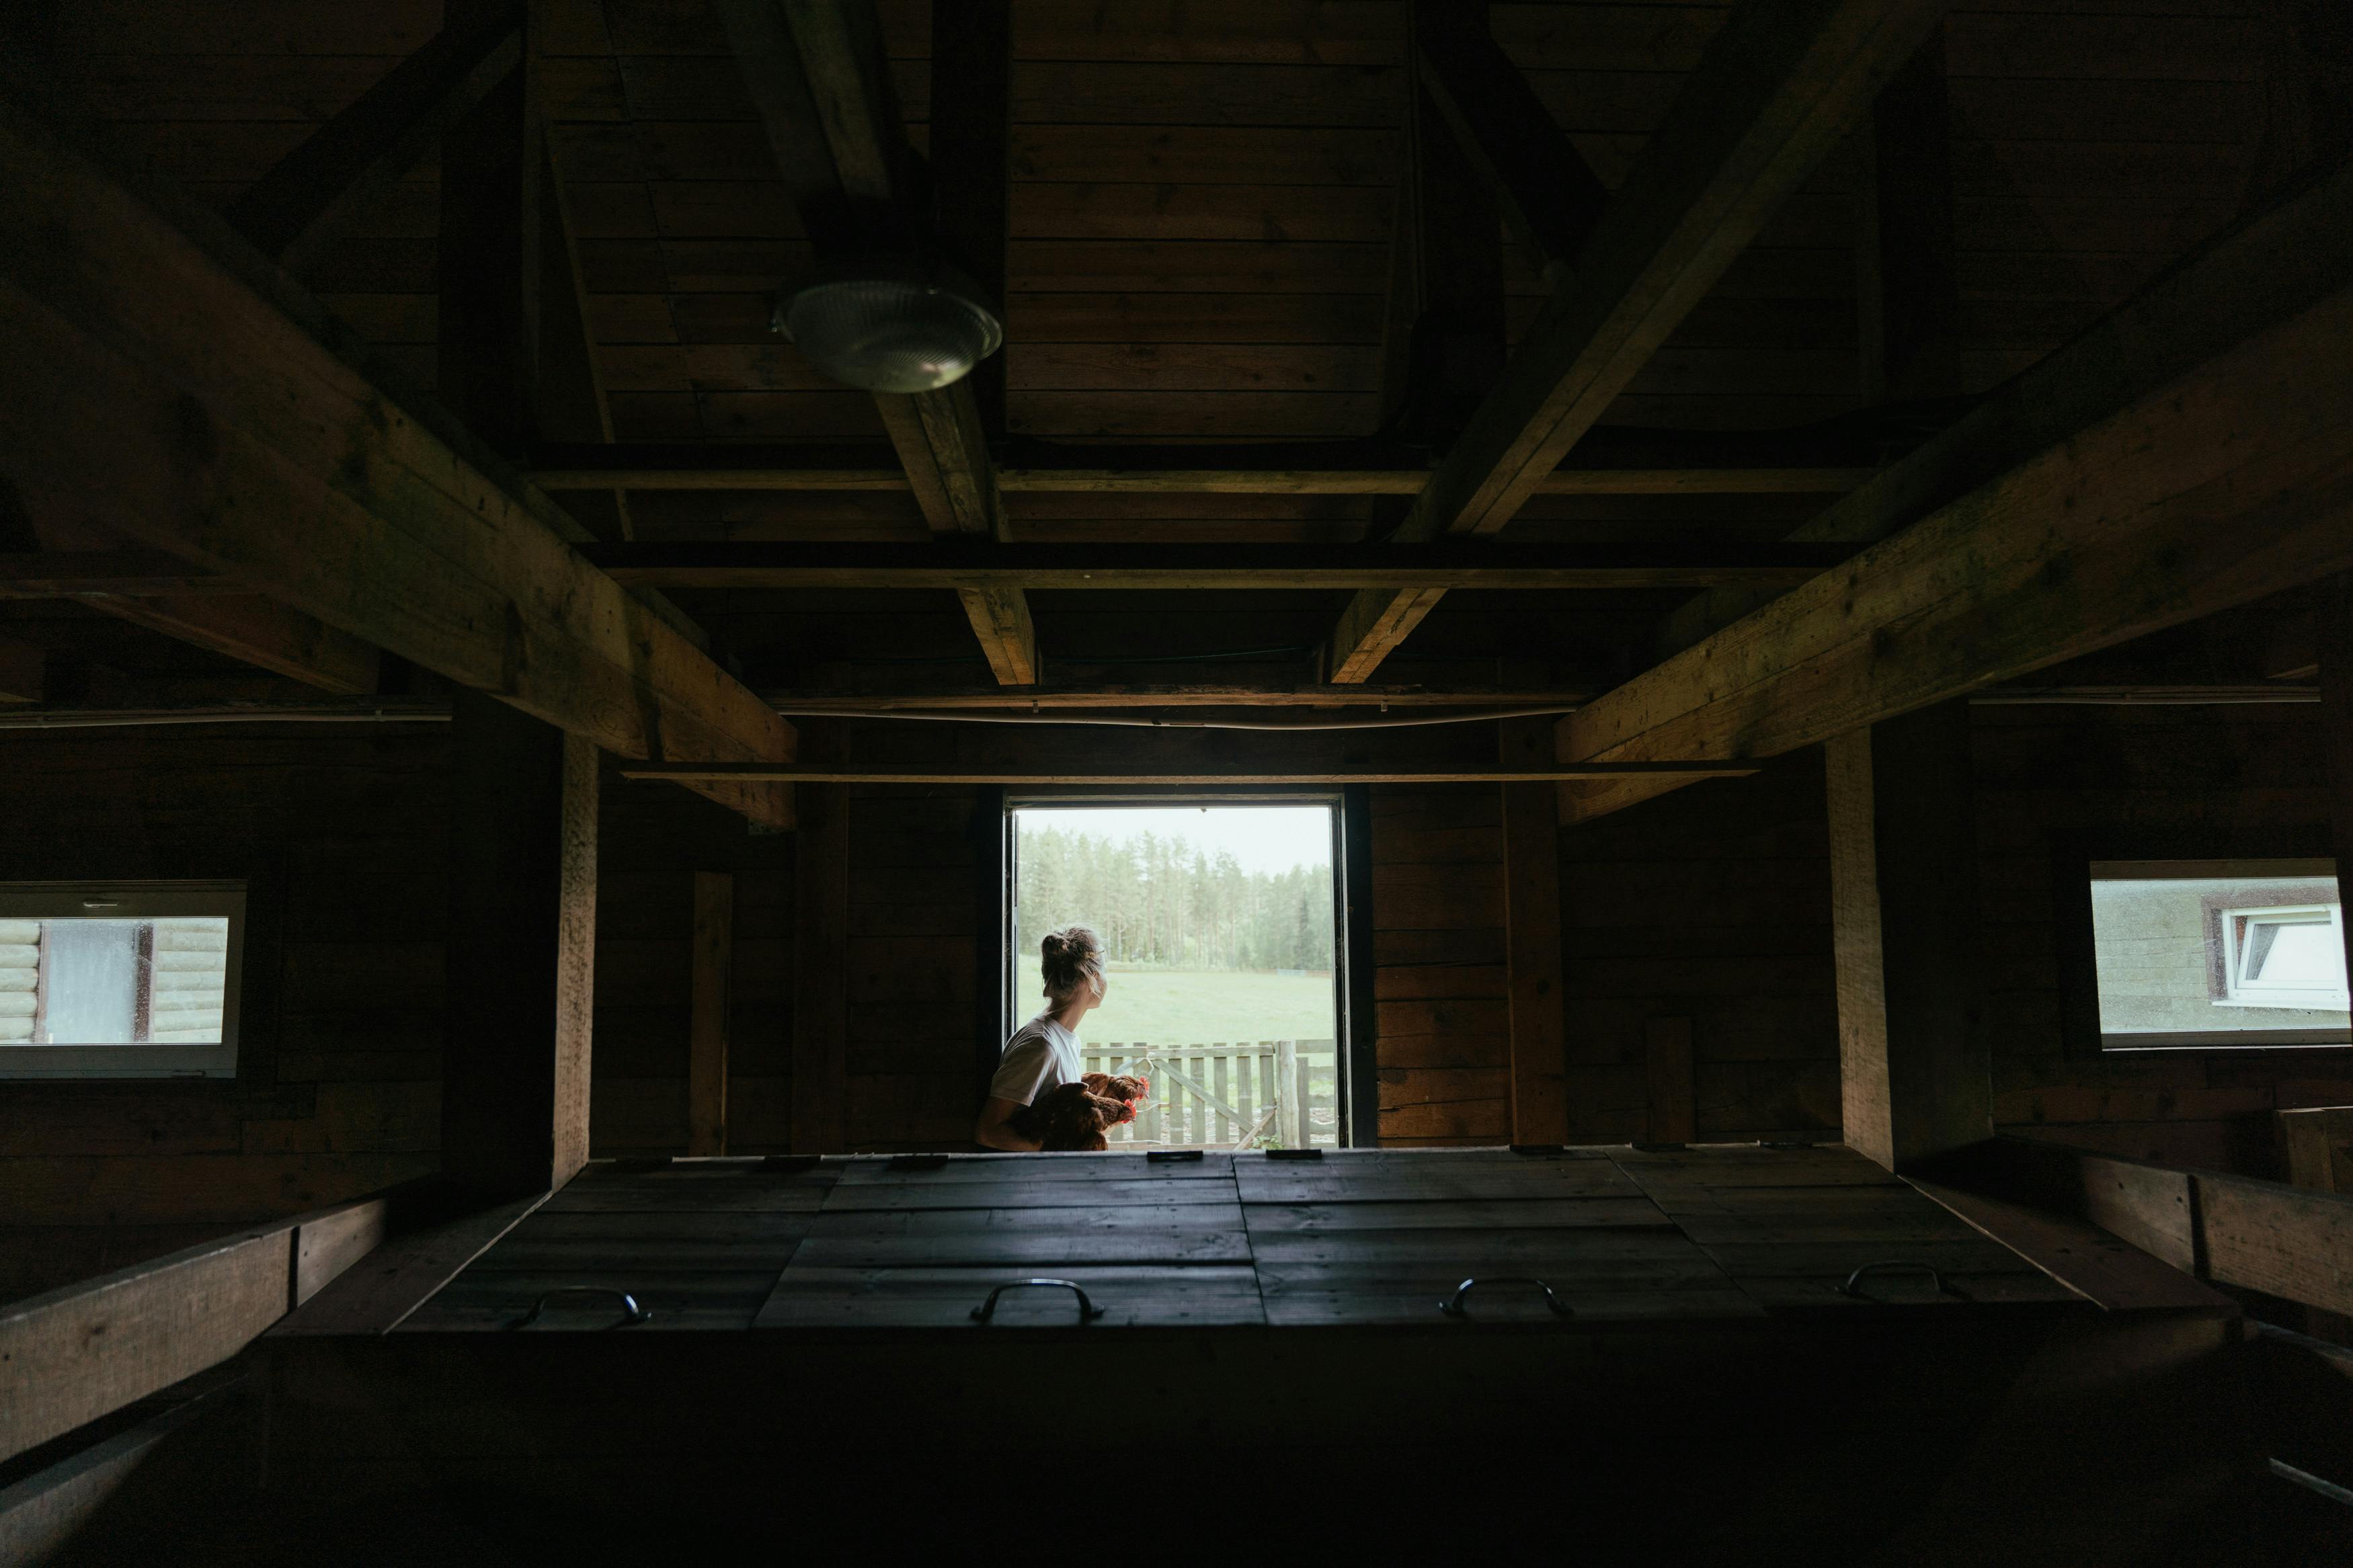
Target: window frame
{"x":2237,"y":991}
{"x":1357,"y":1092}
{"x":135,"y":899}
{"x":2249,"y":868}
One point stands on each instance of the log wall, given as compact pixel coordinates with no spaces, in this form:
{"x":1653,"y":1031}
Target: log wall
{"x":341,"y":834}
{"x":1701,"y":917}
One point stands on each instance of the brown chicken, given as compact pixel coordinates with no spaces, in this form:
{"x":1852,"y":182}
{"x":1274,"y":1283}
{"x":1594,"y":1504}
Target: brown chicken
{"x":1075,"y":1116}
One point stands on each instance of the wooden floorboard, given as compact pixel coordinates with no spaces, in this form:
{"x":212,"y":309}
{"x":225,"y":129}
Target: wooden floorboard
{"x":1129,"y":1295}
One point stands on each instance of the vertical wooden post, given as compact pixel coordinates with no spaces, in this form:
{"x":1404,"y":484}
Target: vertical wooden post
{"x":2336,"y":649}
{"x":820,"y":954}
{"x":1532,"y":941}
{"x":1672,"y":1093}
{"x":706,"y":1065}
{"x":1911,"y":993}
{"x":1290,"y":1096}
{"x":521,"y":940}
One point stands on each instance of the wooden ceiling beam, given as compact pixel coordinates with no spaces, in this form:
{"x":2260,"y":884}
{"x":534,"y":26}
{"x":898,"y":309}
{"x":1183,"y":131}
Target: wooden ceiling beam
{"x":818,"y":78}
{"x":2193,"y":453}
{"x":185,"y":397}
{"x":1238,"y":773}
{"x":1070,"y":699}
{"x":1098,"y":567}
{"x":1778,"y":86}
{"x":1167,"y":472}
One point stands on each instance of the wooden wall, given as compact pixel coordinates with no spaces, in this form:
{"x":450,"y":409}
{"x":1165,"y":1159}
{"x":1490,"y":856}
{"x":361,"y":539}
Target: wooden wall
{"x":1707,"y":908}
{"x":652,"y":840}
{"x":1440,"y":985}
{"x":2056,"y":786}
{"x":340,"y":832}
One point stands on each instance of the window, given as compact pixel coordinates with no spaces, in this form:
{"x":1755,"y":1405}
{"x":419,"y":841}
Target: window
{"x":2291,"y":957}
{"x":1220,"y":923}
{"x":2204,"y":953}
{"x":120,"y":979}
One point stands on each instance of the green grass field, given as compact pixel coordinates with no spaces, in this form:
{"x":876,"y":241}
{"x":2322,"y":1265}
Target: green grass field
{"x":1200,"y":1006}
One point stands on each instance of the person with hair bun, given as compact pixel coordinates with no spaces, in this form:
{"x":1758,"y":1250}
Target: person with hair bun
{"x":1043,"y":1053}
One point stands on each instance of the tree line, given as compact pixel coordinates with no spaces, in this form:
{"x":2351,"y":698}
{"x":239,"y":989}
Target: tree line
{"x":1167,"y":902}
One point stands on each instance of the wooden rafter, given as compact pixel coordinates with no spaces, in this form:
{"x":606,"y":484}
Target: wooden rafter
{"x":2193,"y":453}
{"x":1778,"y":86}
{"x":1238,"y":773}
{"x":1167,"y":472}
{"x":187,"y":398}
{"x":816,"y":74}
{"x":990,"y":568}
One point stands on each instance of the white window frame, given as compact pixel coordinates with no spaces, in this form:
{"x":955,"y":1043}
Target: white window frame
{"x":2240,"y":991}
{"x":133,"y":901}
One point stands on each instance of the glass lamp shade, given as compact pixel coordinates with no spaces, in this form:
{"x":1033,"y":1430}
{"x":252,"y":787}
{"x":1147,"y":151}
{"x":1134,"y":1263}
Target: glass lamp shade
{"x":891,"y":335}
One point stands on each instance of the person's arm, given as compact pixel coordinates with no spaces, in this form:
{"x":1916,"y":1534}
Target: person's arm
{"x":995,"y":1128}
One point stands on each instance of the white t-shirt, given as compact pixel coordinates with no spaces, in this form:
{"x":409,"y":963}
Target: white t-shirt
{"x":1041,"y":1056}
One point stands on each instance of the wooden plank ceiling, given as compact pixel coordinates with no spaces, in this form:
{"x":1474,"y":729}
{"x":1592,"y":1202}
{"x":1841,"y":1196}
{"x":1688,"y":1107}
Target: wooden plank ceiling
{"x":1203,"y":201}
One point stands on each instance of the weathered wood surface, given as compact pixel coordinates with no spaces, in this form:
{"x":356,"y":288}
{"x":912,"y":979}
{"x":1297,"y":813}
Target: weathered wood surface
{"x":1228,"y":774}
{"x":2235,"y":1230}
{"x":1363,"y":1237}
{"x":690,"y":1185}
{"x":2186,"y":457}
{"x":713,"y":1006}
{"x":1914,"y":1064}
{"x":41,"y":1514}
{"x":71,"y":1355}
{"x":1208,"y":1295}
{"x":400,"y":1275}
{"x":1773,"y":94}
{"x":2096,"y":1265}
{"x":432,"y":557}
{"x":1267,"y":567}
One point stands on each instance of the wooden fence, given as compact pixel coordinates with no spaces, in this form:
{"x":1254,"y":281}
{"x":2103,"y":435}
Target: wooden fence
{"x":1280,"y":1094}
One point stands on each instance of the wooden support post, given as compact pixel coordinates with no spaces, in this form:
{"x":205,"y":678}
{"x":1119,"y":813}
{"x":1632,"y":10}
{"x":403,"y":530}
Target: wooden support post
{"x":1911,"y":996}
{"x":821,"y":957}
{"x":1673,"y":1097}
{"x":2336,"y":649}
{"x":521,"y":950}
{"x":707,"y":1036}
{"x":1532,"y":917}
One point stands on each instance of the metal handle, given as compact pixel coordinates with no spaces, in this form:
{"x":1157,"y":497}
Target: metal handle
{"x":1088,"y":1310}
{"x":1854,"y":1285}
{"x":632,"y":1313}
{"x":1455,"y":1308}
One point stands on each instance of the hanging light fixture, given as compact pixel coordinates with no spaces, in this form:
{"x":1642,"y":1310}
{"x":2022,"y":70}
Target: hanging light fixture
{"x":889,"y":324}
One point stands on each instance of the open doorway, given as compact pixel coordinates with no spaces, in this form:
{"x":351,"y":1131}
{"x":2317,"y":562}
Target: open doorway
{"x":1222,"y":928}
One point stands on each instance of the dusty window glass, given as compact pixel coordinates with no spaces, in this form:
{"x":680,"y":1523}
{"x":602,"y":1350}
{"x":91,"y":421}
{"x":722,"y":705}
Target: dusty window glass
{"x":2208,"y":953}
{"x":121,"y":980}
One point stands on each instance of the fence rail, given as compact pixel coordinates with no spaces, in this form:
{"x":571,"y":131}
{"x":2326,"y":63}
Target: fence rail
{"x":1280,"y":1094}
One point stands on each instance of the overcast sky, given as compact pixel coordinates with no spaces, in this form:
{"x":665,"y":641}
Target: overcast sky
{"x":1262,"y":838}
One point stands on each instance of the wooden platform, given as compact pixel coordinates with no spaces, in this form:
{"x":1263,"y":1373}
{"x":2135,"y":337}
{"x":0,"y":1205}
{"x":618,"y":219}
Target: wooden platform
{"x":1365,"y":1237}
